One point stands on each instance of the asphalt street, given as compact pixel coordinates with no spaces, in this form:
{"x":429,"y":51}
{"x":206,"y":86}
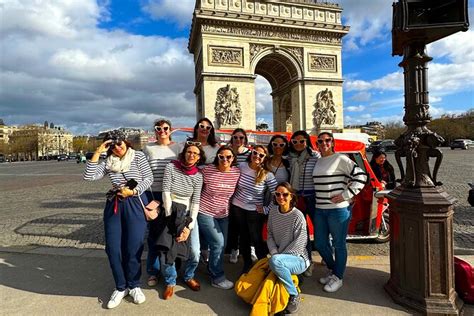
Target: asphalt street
{"x":46,"y":203}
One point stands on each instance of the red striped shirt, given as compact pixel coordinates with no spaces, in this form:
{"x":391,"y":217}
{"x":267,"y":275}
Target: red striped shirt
{"x":218,"y":188}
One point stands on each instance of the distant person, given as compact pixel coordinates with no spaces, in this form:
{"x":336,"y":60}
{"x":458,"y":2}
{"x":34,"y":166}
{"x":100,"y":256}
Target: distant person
{"x":287,"y":241}
{"x":124,"y":219}
{"x":278,"y":164}
{"x":337,"y":180}
{"x":159,"y":154}
{"x":219,"y":182}
{"x":383,"y":170}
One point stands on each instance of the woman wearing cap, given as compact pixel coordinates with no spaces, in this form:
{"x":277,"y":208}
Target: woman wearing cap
{"x":219,"y":182}
{"x":247,"y":203}
{"x":337,"y":179}
{"x":278,"y":164}
{"x":182,"y":183}
{"x":124,"y":220}
{"x":205,"y":136}
{"x":303,"y":159}
{"x":287,"y":241}
{"x":159,"y":154}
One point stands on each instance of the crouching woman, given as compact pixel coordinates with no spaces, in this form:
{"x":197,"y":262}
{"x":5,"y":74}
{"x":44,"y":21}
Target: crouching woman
{"x":287,"y":240}
{"x":124,"y":220}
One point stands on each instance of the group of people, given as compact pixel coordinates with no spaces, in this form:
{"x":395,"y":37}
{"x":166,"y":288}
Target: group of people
{"x":217,"y":197}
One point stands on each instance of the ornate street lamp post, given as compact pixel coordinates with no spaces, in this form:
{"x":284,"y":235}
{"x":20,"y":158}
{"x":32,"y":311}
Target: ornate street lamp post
{"x":421,"y":212}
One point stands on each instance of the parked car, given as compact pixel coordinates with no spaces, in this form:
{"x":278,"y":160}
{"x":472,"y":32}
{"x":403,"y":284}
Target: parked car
{"x":461,"y":143}
{"x":382,"y":145}
{"x":62,"y":157}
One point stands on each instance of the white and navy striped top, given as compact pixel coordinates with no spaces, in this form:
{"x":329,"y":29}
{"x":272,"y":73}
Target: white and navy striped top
{"x":242,"y":157}
{"x":287,"y":233}
{"x":139,"y":170}
{"x":306,"y":174}
{"x":336,"y":174}
{"x":181,"y":188}
{"x":218,"y":188}
{"x":159,"y":156}
{"x":248,"y":194}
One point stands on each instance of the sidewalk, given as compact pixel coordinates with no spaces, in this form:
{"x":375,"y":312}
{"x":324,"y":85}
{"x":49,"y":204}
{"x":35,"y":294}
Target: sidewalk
{"x":61,"y":281}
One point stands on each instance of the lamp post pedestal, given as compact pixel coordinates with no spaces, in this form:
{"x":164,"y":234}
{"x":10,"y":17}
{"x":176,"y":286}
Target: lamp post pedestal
{"x":421,"y":250}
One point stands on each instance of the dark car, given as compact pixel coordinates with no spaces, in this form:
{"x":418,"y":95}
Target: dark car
{"x":62,"y":157}
{"x":382,"y":145}
{"x":461,"y":143}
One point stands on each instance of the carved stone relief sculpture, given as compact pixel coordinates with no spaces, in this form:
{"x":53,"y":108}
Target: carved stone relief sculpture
{"x":228,"y":56}
{"x":255,"y":49}
{"x":325,"y":109}
{"x":227,"y":107}
{"x":297,"y":52}
{"x":325,"y":63}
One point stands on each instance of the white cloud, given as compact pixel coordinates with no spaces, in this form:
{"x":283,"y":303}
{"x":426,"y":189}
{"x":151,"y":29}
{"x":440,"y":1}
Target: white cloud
{"x":358,"y":108}
{"x":264,"y":104}
{"x":363,"y":96}
{"x":180,"y":12}
{"x":392,"y":82}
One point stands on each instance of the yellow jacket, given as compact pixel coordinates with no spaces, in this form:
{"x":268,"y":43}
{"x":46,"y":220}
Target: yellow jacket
{"x":261,"y":288}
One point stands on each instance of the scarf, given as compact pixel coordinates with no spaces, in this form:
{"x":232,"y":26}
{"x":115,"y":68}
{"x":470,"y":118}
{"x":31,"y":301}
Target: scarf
{"x":117,"y":164}
{"x":189,"y":171}
{"x":297,"y":166}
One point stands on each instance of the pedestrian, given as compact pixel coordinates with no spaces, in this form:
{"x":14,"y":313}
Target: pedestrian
{"x":287,"y":241}
{"x":337,"y":180}
{"x":204,"y":135}
{"x":219,"y":182}
{"x":159,"y":154}
{"x":182,"y":183}
{"x":302,"y":160}
{"x":124,"y":218}
{"x":239,"y":143}
{"x":383,"y":169}
{"x":278,"y":164}
{"x":247,"y":203}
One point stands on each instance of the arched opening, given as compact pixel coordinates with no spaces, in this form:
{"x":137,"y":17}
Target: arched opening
{"x":282,"y":73}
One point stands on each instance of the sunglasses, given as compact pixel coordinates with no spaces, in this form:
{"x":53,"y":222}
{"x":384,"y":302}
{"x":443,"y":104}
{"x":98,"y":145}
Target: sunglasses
{"x":295,"y":141}
{"x":326,"y":140}
{"x":192,"y":153}
{"x":191,"y":143}
{"x":256,"y":153}
{"x":159,"y":128}
{"x":285,"y":195}
{"x":238,"y":137}
{"x":206,"y":127}
{"x":222,"y":157}
{"x":278,"y":145}
{"x":114,"y":143}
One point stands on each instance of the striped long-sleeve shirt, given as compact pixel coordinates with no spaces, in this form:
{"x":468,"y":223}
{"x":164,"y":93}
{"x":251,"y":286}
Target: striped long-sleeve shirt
{"x":242,"y":157}
{"x":218,"y":188}
{"x":306,"y":174}
{"x":159,"y":156}
{"x":337,"y":174}
{"x":181,"y":188}
{"x":139,"y":170}
{"x":287,"y":233}
{"x":248,"y":194}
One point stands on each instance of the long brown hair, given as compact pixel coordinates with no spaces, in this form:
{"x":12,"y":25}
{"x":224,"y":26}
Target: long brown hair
{"x":262,"y":170}
{"x":294,"y":197}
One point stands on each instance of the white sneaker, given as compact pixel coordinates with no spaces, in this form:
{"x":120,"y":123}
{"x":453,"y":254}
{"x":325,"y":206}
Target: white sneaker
{"x":325,"y":279}
{"x":234,"y":256}
{"x":224,"y":284}
{"x":137,"y":295}
{"x":116,"y":298}
{"x":333,"y":285}
{"x":252,"y":254}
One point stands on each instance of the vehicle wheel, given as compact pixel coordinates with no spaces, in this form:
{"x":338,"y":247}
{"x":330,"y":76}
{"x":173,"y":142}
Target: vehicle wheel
{"x":384,"y":233}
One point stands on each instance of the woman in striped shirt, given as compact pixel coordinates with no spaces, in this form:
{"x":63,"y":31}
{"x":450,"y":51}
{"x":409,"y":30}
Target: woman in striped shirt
{"x":247,"y":203}
{"x":182,"y":183}
{"x":219,"y":182}
{"x":124,"y":220}
{"x":303,"y":159}
{"x":159,"y":154}
{"x":239,"y":142}
{"x":204,"y":134}
{"x":337,"y":179}
{"x":287,"y":241}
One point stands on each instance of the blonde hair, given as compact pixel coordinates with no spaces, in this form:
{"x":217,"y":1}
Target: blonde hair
{"x":262,"y":169}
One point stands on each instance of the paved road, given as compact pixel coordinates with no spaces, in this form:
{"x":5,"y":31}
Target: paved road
{"x":48,"y":204}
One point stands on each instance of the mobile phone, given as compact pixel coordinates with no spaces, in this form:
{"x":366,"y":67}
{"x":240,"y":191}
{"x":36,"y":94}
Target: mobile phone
{"x":131,"y":184}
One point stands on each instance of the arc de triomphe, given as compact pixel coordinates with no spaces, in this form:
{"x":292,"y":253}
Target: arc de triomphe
{"x":294,"y":44}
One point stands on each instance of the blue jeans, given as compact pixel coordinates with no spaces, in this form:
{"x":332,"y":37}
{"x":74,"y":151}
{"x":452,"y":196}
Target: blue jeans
{"x":214,"y":231}
{"x":284,"y":265}
{"x":334,"y":222}
{"x":169,"y":270}
{"x":152,"y":261}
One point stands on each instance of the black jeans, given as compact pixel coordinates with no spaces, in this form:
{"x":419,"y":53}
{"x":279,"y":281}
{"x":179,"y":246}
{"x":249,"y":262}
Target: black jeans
{"x":250,"y":225}
{"x":234,"y":231}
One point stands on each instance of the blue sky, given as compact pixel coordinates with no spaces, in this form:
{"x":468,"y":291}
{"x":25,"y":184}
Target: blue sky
{"x":94,"y":65}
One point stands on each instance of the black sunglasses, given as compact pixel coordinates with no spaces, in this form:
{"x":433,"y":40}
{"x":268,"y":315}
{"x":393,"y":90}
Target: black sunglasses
{"x":256,"y":153}
{"x":278,"y":194}
{"x":159,"y":128}
{"x":238,"y":137}
{"x":278,"y":145}
{"x":207,"y":127}
{"x":295,"y":141}
{"x":326,"y":140}
{"x":114,"y":143}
